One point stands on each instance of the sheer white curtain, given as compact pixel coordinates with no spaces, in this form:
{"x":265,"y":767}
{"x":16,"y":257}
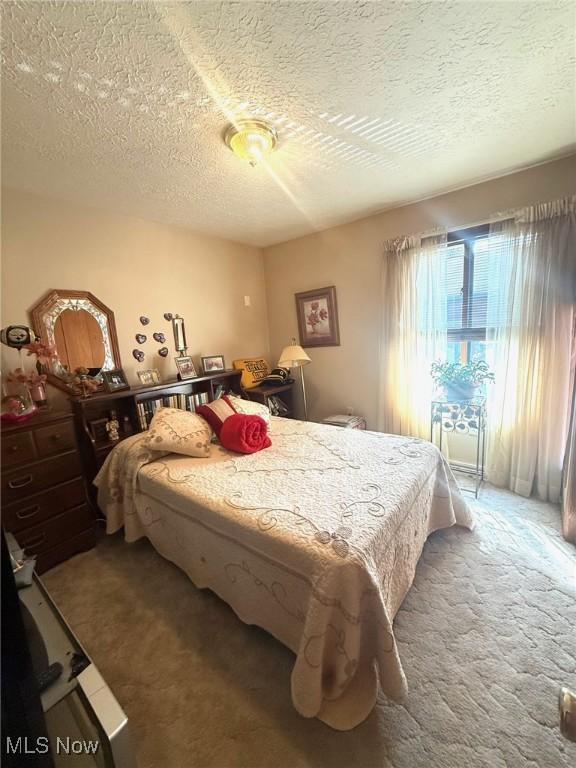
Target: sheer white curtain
{"x":534,"y":257}
{"x":414,"y":331}
{"x":569,"y":476}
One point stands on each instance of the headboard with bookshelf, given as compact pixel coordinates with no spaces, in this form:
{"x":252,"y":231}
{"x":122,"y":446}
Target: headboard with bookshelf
{"x":135,"y":408}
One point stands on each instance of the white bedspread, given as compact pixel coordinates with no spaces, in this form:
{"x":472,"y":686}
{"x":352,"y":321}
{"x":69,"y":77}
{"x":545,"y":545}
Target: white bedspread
{"x":315,"y":539}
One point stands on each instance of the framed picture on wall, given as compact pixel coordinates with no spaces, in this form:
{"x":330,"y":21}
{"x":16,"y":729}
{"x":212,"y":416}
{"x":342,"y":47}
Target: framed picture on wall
{"x":317,"y":313}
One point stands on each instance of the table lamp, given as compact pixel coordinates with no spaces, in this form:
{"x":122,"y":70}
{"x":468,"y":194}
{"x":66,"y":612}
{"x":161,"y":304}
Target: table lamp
{"x":294,"y":356}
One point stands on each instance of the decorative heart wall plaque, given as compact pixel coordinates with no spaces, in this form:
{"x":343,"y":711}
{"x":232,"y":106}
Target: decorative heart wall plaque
{"x":144,"y":320}
{"x":159,"y":337}
{"x":140,"y":338}
{"x":163,"y":351}
{"x":168,"y":315}
{"x":139,"y":355}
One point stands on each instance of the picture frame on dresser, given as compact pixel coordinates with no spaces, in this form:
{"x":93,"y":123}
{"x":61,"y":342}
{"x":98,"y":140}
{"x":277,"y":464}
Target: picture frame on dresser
{"x":149,"y":376}
{"x":213,"y":363}
{"x":115,"y":380}
{"x":98,"y":429}
{"x":185,"y":366}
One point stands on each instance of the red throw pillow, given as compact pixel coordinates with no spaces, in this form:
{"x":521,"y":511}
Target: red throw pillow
{"x":217,"y":412}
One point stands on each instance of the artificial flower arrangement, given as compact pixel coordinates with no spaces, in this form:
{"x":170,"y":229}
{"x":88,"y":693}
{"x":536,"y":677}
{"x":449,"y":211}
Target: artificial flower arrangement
{"x":30,"y":378}
{"x":44,"y":352}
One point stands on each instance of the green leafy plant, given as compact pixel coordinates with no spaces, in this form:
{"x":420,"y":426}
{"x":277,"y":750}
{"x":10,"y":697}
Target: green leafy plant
{"x":470,"y":374}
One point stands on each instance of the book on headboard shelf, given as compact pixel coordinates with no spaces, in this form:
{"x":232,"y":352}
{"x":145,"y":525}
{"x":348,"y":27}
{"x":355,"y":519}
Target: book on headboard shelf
{"x":182,"y":401}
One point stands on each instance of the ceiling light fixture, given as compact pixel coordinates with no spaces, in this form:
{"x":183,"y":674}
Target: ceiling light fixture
{"x":251,"y":140}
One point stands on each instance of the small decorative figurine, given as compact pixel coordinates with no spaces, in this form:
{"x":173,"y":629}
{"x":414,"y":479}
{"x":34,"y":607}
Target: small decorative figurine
{"x":144,"y":320}
{"x":139,"y":355}
{"x":168,"y":315}
{"x":82,"y":383}
{"x":112,"y":427}
{"x":140,"y":338}
{"x":159,"y":337}
{"x":163,"y":351}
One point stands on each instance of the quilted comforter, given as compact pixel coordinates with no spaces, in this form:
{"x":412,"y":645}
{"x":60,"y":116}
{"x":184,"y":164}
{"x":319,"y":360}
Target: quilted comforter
{"x":315,"y":539}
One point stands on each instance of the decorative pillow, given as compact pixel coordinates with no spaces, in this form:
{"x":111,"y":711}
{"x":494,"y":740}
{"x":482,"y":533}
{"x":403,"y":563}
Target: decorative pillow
{"x":254,"y":369}
{"x":216,"y":412}
{"x":178,"y":431}
{"x":250,"y":408}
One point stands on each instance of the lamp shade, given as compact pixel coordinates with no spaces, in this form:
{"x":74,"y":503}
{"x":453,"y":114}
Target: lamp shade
{"x":293,"y":357}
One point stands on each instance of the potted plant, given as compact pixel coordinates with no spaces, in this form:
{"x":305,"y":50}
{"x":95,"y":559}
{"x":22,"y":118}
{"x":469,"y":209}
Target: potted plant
{"x":460,"y":382}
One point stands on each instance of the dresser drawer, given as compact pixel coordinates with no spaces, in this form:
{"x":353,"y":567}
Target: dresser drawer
{"x":55,"y":438}
{"x":17,"y":449}
{"x":20,"y":483}
{"x":55,"y":531}
{"x":35,"y":509}
{"x":79,"y":543}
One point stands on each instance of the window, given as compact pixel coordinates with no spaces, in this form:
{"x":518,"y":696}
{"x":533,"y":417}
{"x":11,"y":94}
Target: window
{"x":467,"y":276}
{"x":464,"y":289}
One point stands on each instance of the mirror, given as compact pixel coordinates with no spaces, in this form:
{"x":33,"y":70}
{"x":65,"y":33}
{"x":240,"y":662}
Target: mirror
{"x":83,"y":331}
{"x":79,"y":340}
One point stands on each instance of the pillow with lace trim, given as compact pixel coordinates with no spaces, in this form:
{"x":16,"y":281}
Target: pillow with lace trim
{"x":251,"y":408}
{"x":179,"y":431}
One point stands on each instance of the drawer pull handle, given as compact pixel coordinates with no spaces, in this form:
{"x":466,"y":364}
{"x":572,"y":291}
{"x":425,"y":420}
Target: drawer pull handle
{"x":56,"y":437}
{"x":14,"y":448}
{"x":21,"y":482}
{"x":35,"y":541}
{"x":28,"y":512}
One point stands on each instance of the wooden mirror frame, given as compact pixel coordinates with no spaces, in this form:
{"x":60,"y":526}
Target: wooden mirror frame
{"x":47,"y":308}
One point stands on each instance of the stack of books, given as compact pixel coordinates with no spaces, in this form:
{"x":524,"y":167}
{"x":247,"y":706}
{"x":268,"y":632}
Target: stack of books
{"x":277,"y":406}
{"x":147,"y":408}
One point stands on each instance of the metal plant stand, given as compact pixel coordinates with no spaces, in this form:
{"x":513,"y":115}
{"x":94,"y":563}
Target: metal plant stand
{"x":462,"y":417}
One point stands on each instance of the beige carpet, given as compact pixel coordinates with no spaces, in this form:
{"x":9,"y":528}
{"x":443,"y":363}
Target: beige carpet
{"x":487,"y":636}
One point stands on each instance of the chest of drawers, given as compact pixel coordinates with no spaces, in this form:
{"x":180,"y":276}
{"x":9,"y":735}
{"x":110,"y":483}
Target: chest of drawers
{"x":44,"y":500}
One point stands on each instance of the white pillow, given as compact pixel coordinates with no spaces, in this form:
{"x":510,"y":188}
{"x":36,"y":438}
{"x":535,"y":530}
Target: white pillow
{"x":178,"y":431}
{"x":251,"y":408}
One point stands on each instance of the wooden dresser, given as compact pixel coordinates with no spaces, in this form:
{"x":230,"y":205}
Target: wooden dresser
{"x":44,"y":501}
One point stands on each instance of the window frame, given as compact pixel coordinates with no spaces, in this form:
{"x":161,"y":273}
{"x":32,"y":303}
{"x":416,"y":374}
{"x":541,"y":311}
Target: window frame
{"x":467,"y":333}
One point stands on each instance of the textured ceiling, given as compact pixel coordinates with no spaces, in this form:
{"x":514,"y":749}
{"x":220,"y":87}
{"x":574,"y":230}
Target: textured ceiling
{"x":123,"y":105}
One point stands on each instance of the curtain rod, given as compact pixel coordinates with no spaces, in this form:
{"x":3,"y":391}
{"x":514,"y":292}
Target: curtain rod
{"x":494,"y":219}
{"x":522,"y":213}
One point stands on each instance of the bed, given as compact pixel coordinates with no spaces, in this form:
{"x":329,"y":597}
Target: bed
{"x":315,"y":540}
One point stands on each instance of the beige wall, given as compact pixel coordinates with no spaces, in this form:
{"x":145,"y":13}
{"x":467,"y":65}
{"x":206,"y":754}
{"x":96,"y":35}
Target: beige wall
{"x":137,"y":268}
{"x":349,"y":257}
